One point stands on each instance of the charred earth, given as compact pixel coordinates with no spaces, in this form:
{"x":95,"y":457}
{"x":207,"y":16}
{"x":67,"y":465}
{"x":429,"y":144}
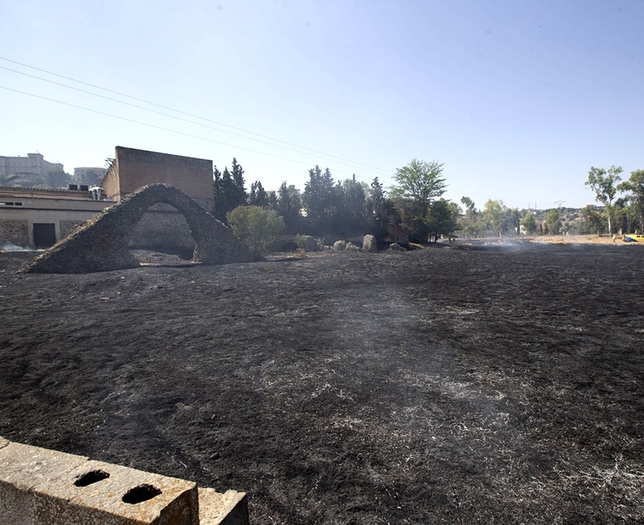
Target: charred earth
{"x":455,"y":384}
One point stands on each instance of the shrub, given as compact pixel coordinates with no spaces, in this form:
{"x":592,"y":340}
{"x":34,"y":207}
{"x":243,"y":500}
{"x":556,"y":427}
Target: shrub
{"x":257,"y":227}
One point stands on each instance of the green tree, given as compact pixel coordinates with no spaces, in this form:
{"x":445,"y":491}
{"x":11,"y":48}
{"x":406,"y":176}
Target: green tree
{"x":529,"y":223}
{"x":350,"y":213}
{"x":229,"y":190}
{"x":417,"y":186}
{"x":419,"y":181}
{"x":289,"y":205}
{"x":634,"y":187}
{"x":443,"y":219}
{"x":258,"y":227}
{"x":604,"y":184}
{"x":320,"y":200}
{"x":58,"y":179}
{"x":378,"y":210}
{"x":470,"y":221}
{"x":258,"y":196}
{"x":592,"y":221}
{"x":553,"y":221}
{"x":493,"y":217}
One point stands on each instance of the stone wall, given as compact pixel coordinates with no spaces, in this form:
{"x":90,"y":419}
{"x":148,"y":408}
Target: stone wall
{"x":15,"y":231}
{"x":163,"y":228}
{"x":67,"y":226}
{"x":102,"y":243}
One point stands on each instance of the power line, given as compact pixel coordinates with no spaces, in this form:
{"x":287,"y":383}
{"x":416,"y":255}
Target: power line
{"x":366,"y":167}
{"x":158,"y":127}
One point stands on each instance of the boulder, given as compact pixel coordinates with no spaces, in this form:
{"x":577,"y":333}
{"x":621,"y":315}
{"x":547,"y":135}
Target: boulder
{"x":369,"y":244}
{"x":395,"y":247}
{"x":339,"y":246}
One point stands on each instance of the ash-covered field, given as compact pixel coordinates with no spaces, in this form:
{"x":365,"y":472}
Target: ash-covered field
{"x":447,"y":385}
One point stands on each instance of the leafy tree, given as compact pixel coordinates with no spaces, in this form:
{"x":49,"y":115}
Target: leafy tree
{"x":592,"y":220}
{"x":378,"y":210}
{"x":469,"y":223}
{"x":553,"y":221}
{"x":289,"y":205}
{"x":229,"y":190}
{"x":58,"y":179}
{"x":443,"y":219}
{"x":418,"y":185}
{"x":350,"y":212}
{"x":511,"y":220}
{"x":419,"y":181}
{"x":320,"y":200}
{"x":257,"y":227}
{"x":493,"y":217}
{"x":258,"y":196}
{"x":529,"y":223}
{"x":604,"y":184}
{"x":634,"y":186}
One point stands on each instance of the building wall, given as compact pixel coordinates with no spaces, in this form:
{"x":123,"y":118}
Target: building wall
{"x":21,"y":208}
{"x":134,"y":168}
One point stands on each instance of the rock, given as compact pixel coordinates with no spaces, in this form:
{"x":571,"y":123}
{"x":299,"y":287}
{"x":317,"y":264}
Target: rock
{"x":339,"y":246}
{"x":369,"y":244}
{"x":350,"y":247}
{"x":395,"y":247}
{"x":308,"y":243}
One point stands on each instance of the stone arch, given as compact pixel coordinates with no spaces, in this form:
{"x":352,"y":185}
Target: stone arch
{"x":101,"y":243}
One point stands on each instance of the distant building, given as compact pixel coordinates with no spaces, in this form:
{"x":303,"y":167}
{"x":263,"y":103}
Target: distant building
{"x":32,"y":164}
{"x":89,"y":176}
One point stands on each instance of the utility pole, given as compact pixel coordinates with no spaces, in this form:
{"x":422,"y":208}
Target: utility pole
{"x":559,"y":203}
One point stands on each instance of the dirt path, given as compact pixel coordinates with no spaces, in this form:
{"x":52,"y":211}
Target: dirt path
{"x":448,"y":385}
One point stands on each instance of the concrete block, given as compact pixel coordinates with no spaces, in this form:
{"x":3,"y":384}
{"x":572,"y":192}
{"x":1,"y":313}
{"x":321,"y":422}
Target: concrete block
{"x":230,"y":508}
{"x":45,"y":487}
{"x":40,"y":486}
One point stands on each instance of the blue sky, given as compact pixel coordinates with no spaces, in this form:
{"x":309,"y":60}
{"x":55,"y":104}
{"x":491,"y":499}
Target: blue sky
{"x":517,"y":98}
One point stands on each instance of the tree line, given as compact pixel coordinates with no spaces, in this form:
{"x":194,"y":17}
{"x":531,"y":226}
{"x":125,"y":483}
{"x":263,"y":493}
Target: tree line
{"x":413,"y":209}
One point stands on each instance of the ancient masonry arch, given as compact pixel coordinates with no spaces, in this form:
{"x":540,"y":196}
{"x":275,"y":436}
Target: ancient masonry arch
{"x":101,"y":243}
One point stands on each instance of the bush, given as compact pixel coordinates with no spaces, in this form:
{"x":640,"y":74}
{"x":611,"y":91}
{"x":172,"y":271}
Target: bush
{"x":257,"y":227}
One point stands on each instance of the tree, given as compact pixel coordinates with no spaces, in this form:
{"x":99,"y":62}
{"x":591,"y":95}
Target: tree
{"x":493,"y":217}
{"x":378,"y":210}
{"x":419,"y":181}
{"x":592,"y":220}
{"x":257,"y":227}
{"x":258,"y":196}
{"x":443,"y":218}
{"x":350,"y":213}
{"x":320,"y":200}
{"x":58,"y":179}
{"x":634,"y":186}
{"x":289,"y":204}
{"x":529,"y":223}
{"x":604,"y":184}
{"x":418,"y":185}
{"x":469,"y":223}
{"x":229,"y":190}
{"x":553,"y":221}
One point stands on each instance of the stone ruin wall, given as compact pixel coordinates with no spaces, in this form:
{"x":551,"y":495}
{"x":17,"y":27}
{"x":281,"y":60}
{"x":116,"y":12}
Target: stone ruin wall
{"x":14,"y":231}
{"x":102,"y":243}
{"x":162,"y":227}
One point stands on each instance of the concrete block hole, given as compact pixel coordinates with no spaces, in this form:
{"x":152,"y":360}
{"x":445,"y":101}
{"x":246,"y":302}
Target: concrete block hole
{"x":140,"y":494}
{"x":91,"y":477}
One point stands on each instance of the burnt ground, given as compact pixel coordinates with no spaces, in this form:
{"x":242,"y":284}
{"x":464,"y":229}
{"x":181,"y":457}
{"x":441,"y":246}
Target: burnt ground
{"x":447,"y":385}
